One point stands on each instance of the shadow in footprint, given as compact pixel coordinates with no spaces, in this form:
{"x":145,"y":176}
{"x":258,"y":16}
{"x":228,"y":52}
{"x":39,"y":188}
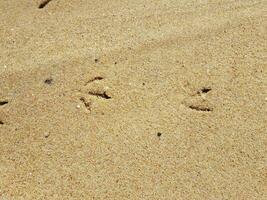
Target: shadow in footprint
{"x":102,"y":95}
{"x":2,"y":103}
{"x":43,"y":3}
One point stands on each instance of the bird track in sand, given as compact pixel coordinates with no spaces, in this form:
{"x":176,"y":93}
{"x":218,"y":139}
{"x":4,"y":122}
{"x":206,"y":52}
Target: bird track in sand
{"x":197,"y":101}
{"x":93,"y":91}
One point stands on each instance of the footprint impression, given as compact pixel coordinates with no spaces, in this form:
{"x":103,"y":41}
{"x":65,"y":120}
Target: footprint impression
{"x":94,"y":91}
{"x":198,"y":101}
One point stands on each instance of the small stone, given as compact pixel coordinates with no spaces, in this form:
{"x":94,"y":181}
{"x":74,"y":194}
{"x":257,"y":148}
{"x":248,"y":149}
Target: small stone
{"x":78,"y":106}
{"x":46,"y":134}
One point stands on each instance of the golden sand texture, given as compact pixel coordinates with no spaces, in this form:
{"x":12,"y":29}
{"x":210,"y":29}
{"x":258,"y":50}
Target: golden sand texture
{"x":139,"y":99}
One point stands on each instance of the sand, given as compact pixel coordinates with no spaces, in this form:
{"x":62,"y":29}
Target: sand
{"x":133,"y":99}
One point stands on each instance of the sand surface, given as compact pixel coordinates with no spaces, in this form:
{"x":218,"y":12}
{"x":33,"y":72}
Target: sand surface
{"x":139,"y":99}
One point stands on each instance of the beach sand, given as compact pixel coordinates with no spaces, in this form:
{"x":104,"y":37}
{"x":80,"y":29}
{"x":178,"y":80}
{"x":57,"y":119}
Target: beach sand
{"x":133,"y":99}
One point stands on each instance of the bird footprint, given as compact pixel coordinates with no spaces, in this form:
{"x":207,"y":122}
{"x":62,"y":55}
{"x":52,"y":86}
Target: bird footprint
{"x":197,"y":101}
{"x":93,"y":91}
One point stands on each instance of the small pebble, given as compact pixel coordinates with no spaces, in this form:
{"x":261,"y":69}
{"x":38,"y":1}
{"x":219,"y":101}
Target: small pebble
{"x":46,"y":134}
{"x":78,"y":106}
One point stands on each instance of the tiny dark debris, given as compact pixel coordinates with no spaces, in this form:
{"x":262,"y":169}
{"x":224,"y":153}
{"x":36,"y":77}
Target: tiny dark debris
{"x":205,"y":90}
{"x":48,"y":81}
{"x":1,"y":122}
{"x":96,"y":60}
{"x":159,"y":134}
{"x":115,"y":63}
{"x":143,"y":84}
